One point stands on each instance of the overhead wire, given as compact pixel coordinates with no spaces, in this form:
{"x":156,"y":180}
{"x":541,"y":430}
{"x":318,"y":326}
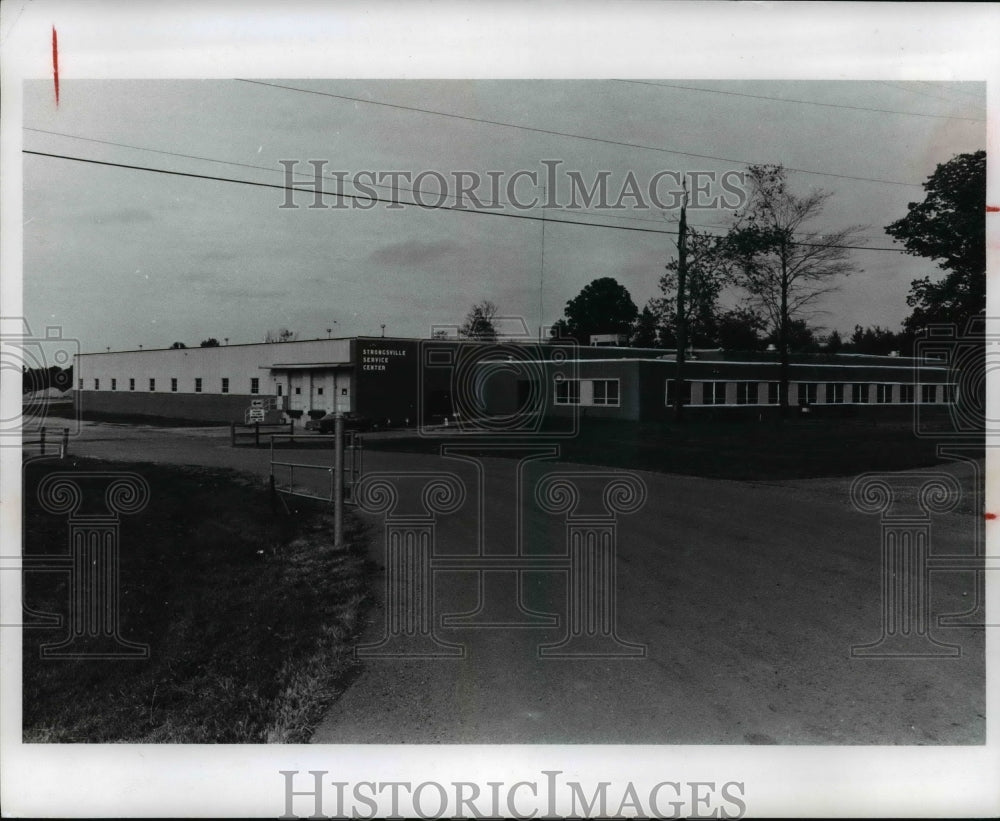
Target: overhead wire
{"x":552,"y":132}
{"x":425,"y":206}
{"x":801,"y":102}
{"x":303,"y":174}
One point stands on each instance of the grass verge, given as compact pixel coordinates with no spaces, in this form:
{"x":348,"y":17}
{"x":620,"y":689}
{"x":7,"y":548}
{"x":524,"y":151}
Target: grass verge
{"x":250,"y":616}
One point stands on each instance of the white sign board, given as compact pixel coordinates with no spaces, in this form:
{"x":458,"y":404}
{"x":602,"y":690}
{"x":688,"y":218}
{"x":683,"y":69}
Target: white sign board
{"x":256,"y":415}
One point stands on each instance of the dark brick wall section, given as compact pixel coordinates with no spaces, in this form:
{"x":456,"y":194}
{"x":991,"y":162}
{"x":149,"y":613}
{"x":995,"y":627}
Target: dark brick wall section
{"x":201,"y":407}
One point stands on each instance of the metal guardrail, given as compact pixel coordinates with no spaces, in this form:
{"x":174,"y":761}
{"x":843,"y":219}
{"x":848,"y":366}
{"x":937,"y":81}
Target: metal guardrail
{"x":255,"y":431}
{"x":42,"y":440}
{"x":344,"y":474}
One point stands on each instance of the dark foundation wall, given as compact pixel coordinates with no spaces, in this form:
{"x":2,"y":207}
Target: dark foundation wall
{"x":200,"y":407}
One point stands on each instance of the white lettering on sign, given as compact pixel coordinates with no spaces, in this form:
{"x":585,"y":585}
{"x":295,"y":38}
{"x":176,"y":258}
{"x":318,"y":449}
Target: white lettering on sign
{"x":375,"y":359}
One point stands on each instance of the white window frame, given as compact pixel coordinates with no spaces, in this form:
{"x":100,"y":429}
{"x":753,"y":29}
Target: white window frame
{"x":604,"y":403}
{"x":569,"y":399}
{"x":749,"y":391}
{"x":713,"y":391}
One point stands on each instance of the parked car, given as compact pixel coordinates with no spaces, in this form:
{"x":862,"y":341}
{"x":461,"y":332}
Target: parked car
{"x":352,"y":421}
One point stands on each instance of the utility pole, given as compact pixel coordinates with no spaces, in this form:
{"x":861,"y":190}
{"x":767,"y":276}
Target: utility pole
{"x":783,"y":368}
{"x":681,"y":310}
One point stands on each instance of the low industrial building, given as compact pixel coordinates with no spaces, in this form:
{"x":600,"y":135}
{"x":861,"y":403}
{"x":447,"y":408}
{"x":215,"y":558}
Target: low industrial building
{"x":399,"y":381}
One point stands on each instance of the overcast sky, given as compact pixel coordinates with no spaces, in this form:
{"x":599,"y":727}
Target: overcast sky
{"x":122,"y":257}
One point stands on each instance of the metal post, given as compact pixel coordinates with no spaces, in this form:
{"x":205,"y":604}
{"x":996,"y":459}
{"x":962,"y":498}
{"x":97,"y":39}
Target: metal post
{"x":41,"y":441}
{"x":338,"y":480}
{"x":256,"y":434}
{"x":232,"y":434}
{"x":291,"y":426}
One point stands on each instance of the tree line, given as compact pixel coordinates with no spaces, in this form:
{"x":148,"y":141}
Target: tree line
{"x":40,"y":379}
{"x":778,"y":266}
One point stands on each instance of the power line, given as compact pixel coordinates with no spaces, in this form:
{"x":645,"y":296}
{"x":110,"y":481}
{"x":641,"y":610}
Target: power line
{"x":567,"y":134}
{"x":908,"y":88}
{"x":801,"y":102}
{"x":303,"y":174}
{"x":973,"y":94}
{"x":425,"y":206}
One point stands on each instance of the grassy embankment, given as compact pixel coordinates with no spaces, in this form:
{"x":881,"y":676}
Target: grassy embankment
{"x":250,"y":616}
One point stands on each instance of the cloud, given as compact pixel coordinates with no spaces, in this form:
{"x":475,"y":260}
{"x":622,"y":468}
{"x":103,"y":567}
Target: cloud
{"x":413,"y":253}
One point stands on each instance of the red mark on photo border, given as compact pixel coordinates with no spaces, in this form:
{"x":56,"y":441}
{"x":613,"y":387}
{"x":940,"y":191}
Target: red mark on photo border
{"x":55,"y":62}
{"x":989,"y":516}
{"x":992,"y":209}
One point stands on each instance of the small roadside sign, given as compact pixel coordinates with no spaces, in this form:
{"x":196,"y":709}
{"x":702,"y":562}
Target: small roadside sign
{"x":256,"y":403}
{"x":256,"y":415}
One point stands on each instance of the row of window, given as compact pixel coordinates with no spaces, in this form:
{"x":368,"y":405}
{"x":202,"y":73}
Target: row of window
{"x":809,"y":393}
{"x":224,"y":384}
{"x":606,"y":392}
{"x":198,"y":384}
{"x":602,"y":392}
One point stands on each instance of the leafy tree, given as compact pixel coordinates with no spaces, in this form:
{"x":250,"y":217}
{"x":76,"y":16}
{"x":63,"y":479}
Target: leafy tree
{"x":709,"y":271}
{"x":783,"y":265}
{"x":801,"y":338}
{"x":880,"y":341}
{"x":62,"y":378}
{"x":211,"y":342}
{"x":479,"y":322}
{"x":948,"y":226}
{"x":39,"y":379}
{"x":602,"y":307}
{"x":740,"y":329}
{"x":645,"y":332}
{"x":177,"y":346}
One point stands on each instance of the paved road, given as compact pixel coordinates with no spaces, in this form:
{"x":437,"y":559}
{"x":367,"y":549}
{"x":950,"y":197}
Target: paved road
{"x":746,"y":596}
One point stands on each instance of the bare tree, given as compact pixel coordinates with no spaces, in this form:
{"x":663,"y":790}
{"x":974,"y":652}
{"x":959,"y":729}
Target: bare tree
{"x":784,"y":266}
{"x":478,"y":322}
